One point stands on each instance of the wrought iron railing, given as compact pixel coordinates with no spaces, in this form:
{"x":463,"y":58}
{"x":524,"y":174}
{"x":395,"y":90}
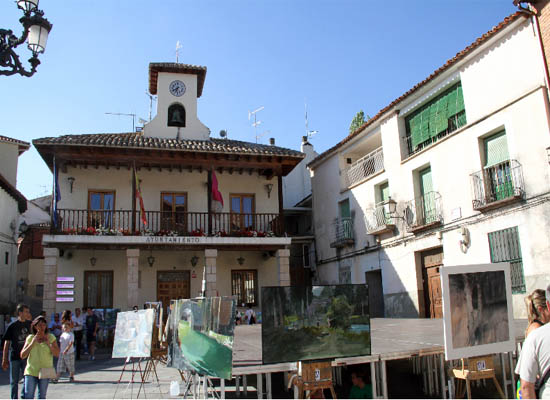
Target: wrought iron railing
{"x":423,"y":210}
{"x":343,"y":230}
{"x":119,"y":222}
{"x":497,"y":182}
{"x":364,"y":167}
{"x":378,"y":218}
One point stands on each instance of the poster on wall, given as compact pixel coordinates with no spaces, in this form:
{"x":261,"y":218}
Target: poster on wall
{"x":202,"y":335}
{"x":133,"y":334}
{"x":477,"y":310}
{"x":315,"y":322}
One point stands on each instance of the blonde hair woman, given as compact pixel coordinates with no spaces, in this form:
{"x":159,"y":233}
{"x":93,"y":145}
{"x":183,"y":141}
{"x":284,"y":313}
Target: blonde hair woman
{"x":537,"y":312}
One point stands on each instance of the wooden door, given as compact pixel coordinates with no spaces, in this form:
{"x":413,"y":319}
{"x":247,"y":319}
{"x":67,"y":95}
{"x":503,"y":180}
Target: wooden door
{"x":432,"y":260}
{"x":172,"y":285}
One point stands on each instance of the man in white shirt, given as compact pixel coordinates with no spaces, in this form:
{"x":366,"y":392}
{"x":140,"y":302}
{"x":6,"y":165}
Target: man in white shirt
{"x":79,"y":320}
{"x":534,"y":360}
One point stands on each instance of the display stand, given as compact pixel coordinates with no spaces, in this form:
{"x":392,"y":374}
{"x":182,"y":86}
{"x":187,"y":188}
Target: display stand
{"x":312,"y":377}
{"x":195,"y":383}
{"x":474,"y":369}
{"x":133,"y":372}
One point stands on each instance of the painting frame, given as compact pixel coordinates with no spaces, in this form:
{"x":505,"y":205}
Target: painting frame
{"x":453,"y":352}
{"x":136,"y":341}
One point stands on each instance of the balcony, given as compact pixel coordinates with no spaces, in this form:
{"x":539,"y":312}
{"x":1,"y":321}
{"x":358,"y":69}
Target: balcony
{"x":497,"y":185}
{"x":119,"y":223}
{"x":423,"y":212}
{"x":365,"y":167}
{"x":343,"y":233}
{"x":378,"y":220}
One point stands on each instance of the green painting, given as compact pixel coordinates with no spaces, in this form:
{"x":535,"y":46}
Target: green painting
{"x":314,"y":322}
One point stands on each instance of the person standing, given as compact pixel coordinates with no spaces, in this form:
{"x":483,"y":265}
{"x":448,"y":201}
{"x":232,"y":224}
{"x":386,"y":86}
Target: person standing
{"x":79,"y":321}
{"x":14,"y":340}
{"x":55,"y":326}
{"x":250,"y":315}
{"x":92,"y":325}
{"x":66,"y":356}
{"x":39,"y":350}
{"x":534,"y":360}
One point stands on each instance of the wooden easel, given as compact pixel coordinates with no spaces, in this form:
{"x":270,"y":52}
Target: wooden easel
{"x":474,"y":369}
{"x":312,"y":377}
{"x":133,"y":372}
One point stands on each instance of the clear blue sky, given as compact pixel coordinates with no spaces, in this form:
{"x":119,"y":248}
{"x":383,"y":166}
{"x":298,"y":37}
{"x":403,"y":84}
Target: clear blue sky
{"x":339,"y":55}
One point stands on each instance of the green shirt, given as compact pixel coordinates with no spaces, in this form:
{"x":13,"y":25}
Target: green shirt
{"x":358,"y":393}
{"x":40,"y":356}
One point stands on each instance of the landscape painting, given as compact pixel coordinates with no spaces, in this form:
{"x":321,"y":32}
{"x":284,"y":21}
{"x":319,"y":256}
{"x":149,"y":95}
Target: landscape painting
{"x":133,"y":334}
{"x":315,"y":322}
{"x":203,"y":331}
{"x":477,"y":310}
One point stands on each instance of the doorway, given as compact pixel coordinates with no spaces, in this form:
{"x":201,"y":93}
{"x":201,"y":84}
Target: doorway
{"x":172,"y":285}
{"x":376,"y":293}
{"x":432,"y":261}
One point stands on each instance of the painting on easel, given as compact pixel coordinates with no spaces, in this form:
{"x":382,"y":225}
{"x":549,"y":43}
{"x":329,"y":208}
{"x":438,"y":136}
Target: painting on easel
{"x":315,"y":322}
{"x":477,"y":310}
{"x":203,"y":331}
{"x":133,"y":334}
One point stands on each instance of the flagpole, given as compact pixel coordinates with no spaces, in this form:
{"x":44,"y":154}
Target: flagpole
{"x":209,"y":199}
{"x":52,"y":206}
{"x":134,"y":198}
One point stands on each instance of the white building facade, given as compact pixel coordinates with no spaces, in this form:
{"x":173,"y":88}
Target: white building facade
{"x":462,"y":157}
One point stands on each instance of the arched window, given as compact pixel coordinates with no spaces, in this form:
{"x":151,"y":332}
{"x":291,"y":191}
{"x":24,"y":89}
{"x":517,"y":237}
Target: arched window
{"x":176,"y":115}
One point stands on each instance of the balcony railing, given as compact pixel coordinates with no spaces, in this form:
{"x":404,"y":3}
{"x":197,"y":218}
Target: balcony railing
{"x":364,"y":167}
{"x":378,"y":220}
{"x":119,"y":222}
{"x":343,"y":232}
{"x":423,"y":212}
{"x":497,"y":185}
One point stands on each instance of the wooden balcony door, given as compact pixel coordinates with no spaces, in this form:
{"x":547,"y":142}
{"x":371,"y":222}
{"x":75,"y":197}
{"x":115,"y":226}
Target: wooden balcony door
{"x":173,"y":285}
{"x":173,"y":207}
{"x":242,"y":210}
{"x":432,"y":261}
{"x":101,"y":204}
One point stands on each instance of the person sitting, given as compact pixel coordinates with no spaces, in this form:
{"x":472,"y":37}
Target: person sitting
{"x":360,"y":389}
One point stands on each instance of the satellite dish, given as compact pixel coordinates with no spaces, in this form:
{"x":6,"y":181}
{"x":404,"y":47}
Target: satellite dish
{"x":223,"y":133}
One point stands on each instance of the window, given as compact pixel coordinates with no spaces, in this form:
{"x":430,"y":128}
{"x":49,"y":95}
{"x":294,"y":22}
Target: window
{"x":444,"y":114}
{"x":98,"y":289}
{"x":244,"y":285}
{"x":344,"y":227}
{"x":497,"y":173}
{"x":242,"y":210}
{"x":505,"y":247}
{"x":39,"y":291}
{"x":173,"y":207}
{"x":7,"y":258}
{"x":101,"y":204}
{"x":176,"y":115}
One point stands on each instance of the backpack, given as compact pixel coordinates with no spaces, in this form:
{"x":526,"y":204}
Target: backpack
{"x":540,"y":383}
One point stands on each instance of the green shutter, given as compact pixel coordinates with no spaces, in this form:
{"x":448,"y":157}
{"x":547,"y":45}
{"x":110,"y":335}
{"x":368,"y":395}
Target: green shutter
{"x":428,"y":199}
{"x":442,"y":121}
{"x":496,"y":149}
{"x":384,"y":191}
{"x":451,"y":109}
{"x":425,"y":124}
{"x":344,"y":209}
{"x":415,"y":130}
{"x":459,"y":99}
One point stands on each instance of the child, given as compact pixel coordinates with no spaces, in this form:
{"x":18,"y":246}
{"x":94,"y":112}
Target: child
{"x":66,"y":354}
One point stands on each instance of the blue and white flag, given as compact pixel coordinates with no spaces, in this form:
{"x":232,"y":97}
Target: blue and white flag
{"x":56,"y":193}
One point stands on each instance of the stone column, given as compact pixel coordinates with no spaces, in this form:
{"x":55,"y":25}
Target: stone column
{"x":210,"y":257}
{"x":283,"y":267}
{"x":133,"y":265}
{"x":51,"y":257}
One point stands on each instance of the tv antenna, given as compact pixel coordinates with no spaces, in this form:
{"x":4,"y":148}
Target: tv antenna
{"x":260,"y":135}
{"x":126,"y":115}
{"x":308,"y":132}
{"x":151,"y":99}
{"x":256,"y":122}
{"x":178,"y":47}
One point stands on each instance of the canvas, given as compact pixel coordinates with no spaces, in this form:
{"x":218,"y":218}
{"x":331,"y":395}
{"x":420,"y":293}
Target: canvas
{"x":315,"y":322}
{"x":133,"y":334}
{"x":203,"y":331}
{"x":477,"y":310}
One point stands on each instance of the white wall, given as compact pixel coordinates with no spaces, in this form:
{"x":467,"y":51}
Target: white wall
{"x":9,"y":153}
{"x":9,"y":213}
{"x":297,"y":184}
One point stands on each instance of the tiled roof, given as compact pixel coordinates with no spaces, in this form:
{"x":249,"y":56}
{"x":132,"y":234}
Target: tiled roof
{"x":13,"y":192}
{"x":155,"y":68}
{"x":459,"y":56}
{"x":23,"y":146}
{"x":136,"y":140}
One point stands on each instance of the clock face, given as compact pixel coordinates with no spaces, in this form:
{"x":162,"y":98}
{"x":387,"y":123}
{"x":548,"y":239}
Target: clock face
{"x":177,"y":88}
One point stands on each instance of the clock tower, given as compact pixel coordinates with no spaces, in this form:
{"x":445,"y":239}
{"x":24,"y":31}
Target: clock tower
{"x":178,"y":86}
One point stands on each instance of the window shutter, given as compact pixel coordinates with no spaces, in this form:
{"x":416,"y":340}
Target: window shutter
{"x":415,"y":130}
{"x":442,"y":121}
{"x":451,"y":109}
{"x":496,"y":149}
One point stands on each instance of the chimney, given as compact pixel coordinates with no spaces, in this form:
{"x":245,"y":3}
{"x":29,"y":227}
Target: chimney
{"x":272,"y":141}
{"x":304,"y":144}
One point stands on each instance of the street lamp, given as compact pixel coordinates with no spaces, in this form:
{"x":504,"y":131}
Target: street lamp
{"x":35,"y":31}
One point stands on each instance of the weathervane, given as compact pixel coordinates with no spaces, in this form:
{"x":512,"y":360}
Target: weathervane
{"x":178,"y":47}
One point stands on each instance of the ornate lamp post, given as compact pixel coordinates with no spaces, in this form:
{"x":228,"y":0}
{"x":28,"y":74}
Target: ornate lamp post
{"x":35,"y":31}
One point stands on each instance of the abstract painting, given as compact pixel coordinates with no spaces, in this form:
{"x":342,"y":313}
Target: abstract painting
{"x":203,"y":331}
{"x":477,"y":310}
{"x":315,"y":322}
{"x":133,"y":334}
